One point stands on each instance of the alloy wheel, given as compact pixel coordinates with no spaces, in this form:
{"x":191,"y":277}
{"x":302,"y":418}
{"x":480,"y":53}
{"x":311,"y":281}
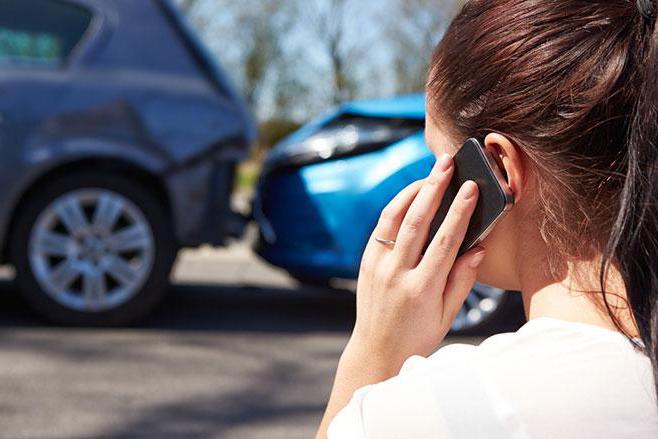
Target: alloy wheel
{"x":91,"y":250}
{"x":481,"y":303}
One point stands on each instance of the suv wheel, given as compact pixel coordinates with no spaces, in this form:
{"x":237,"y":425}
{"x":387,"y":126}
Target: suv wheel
{"x":487,"y":311}
{"x":92,"y":249}
{"x":311,"y":281}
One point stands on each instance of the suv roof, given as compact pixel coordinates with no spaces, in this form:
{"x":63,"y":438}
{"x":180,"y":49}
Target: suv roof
{"x":144,"y":35}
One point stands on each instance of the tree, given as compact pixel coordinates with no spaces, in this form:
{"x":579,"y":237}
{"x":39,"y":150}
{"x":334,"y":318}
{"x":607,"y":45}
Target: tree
{"x":294,"y":58}
{"x":417,"y":27}
{"x":337,"y":37}
{"x":255,"y":30}
{"x":261,"y":45}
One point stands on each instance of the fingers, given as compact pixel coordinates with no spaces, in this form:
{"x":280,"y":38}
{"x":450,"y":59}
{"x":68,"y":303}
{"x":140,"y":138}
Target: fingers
{"x":393,"y":214}
{"x":391,"y":217}
{"x":460,"y":281}
{"x":445,"y":245}
{"x":415,"y":227}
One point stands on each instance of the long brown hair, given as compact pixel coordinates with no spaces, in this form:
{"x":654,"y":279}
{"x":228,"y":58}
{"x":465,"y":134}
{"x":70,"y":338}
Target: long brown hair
{"x":574,"y":83}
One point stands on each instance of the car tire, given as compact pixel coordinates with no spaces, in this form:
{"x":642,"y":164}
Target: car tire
{"x":311,"y":281}
{"x":120,"y":276}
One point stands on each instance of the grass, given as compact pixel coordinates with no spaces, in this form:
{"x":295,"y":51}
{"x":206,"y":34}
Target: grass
{"x":247,"y":175}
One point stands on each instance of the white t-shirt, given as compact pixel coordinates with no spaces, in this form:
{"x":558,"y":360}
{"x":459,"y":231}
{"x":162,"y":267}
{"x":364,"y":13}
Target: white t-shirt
{"x":550,"y":379}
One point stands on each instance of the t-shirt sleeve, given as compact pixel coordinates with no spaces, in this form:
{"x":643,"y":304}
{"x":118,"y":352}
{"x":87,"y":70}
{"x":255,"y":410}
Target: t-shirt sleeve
{"x":348,"y":423}
{"x":435,"y":397}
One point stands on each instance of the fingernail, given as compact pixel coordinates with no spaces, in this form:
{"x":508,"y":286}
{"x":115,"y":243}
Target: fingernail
{"x":469,"y":190}
{"x":444,"y":162}
{"x":477,"y":259}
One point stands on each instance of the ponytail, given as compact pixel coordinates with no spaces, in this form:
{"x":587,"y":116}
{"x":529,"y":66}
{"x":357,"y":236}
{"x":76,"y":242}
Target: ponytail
{"x":634,"y":240}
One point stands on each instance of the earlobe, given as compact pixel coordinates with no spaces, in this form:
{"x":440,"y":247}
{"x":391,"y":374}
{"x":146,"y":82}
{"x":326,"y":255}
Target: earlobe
{"x":509,"y":158}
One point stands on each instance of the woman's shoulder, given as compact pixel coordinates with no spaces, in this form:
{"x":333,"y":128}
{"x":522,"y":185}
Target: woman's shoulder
{"x":547,"y":357}
{"x":556,"y":349}
{"x":553,"y":370}
{"x":549,"y":379}
{"x":541,"y":345}
{"x":558,"y":339}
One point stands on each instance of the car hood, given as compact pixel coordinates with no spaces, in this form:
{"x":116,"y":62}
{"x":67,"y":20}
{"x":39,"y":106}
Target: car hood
{"x":404,"y":107}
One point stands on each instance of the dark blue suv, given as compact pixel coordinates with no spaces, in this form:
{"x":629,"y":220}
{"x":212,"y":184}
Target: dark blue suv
{"x":119,"y":138}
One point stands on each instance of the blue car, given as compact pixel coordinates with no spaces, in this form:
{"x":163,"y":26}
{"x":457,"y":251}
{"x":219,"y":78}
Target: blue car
{"x":323,"y":188}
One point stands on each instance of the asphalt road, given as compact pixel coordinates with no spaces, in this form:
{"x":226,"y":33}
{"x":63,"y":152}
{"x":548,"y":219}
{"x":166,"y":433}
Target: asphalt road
{"x":237,"y":350}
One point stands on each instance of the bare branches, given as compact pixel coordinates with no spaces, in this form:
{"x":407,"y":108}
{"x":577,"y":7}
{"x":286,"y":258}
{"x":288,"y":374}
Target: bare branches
{"x":417,"y":26}
{"x":328,"y":19}
{"x":294,"y":58}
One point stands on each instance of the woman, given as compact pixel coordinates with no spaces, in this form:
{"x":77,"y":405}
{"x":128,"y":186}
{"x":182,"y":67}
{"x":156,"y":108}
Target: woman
{"x":565,"y":95}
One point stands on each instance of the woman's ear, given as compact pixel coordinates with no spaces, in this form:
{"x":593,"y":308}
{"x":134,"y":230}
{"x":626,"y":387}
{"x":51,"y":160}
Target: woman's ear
{"x":509,"y":158}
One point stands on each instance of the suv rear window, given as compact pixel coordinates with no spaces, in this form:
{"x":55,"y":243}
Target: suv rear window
{"x":40,"y":31}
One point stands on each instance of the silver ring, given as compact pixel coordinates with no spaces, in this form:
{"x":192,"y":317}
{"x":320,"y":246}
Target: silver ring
{"x":384,"y":241}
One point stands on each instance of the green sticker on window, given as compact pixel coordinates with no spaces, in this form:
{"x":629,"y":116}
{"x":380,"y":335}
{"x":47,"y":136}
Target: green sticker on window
{"x":17,"y":47}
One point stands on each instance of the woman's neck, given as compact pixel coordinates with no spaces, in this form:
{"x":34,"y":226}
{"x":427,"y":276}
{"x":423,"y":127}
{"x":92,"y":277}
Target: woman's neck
{"x":575,"y":293}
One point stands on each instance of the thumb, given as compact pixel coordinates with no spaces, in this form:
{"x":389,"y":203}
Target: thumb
{"x":461,"y":280}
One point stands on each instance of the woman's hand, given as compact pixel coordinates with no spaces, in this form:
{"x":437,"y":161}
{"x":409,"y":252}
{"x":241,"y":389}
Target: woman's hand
{"x":406,"y":300}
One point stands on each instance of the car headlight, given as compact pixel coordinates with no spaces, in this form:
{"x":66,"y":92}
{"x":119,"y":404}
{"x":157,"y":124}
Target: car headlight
{"x":342,"y":137}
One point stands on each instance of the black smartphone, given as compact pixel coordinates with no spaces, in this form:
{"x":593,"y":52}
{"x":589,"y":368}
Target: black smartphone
{"x":474,"y":162}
